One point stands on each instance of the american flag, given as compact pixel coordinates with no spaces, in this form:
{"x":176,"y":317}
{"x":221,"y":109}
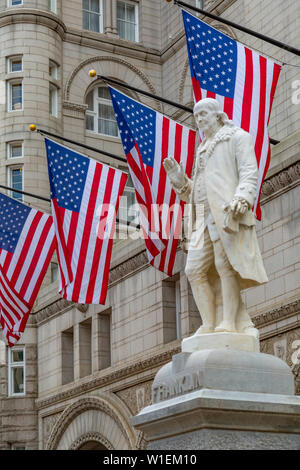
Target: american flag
{"x":148,"y":137}
{"x":241,"y":80}
{"x":84,"y":199}
{"x":27,"y":243}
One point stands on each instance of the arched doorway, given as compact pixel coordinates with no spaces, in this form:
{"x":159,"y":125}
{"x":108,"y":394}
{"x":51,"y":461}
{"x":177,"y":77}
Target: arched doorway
{"x":92,"y":445}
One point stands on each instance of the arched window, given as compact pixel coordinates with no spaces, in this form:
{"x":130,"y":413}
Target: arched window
{"x":100,"y":116}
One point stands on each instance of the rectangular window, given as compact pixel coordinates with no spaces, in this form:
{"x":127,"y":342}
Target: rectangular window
{"x":92,"y":15}
{"x":199,"y":4}
{"x":15,"y":181}
{"x":15,"y":150}
{"x":16,"y":372}
{"x":85,"y":348}
{"x":171,"y":308}
{"x":53,"y":70}
{"x":52,"y":6}
{"x":127,"y":19}
{"x":15,"y":96}
{"x":54,"y":271}
{"x":15,"y":64}
{"x":128,"y":208}
{"x":53,"y":100}
{"x":104,"y":340}
{"x":67,"y":356}
{"x":12,"y":3}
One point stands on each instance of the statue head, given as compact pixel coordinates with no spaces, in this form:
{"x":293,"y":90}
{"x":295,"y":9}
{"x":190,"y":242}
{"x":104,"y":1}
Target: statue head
{"x":209,"y":116}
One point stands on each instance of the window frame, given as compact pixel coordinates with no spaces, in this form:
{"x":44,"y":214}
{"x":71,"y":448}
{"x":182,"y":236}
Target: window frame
{"x":10,"y":83}
{"x":100,"y":14}
{"x":52,"y":6}
{"x":9,"y":63}
{"x":54,"y":268}
{"x":136,"y":18}
{"x":10,"y":168}
{"x":13,"y":365}
{"x":9,"y":3}
{"x":12,"y":144}
{"x":95,"y":113}
{"x":55,"y":66}
{"x":53,"y":88}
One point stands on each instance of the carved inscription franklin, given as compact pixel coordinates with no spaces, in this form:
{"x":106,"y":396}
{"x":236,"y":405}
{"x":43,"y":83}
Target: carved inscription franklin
{"x":176,"y":385}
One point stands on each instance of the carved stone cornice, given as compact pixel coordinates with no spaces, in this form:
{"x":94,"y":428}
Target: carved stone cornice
{"x":280,"y":182}
{"x":279,"y":313}
{"x":128,"y":268}
{"x":109,"y":376}
{"x":33,"y":16}
{"x":81,"y":108}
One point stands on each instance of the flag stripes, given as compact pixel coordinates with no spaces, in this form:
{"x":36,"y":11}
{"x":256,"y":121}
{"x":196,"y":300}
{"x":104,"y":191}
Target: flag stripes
{"x":253,"y":89}
{"x":24,"y":265}
{"x":148,"y":138}
{"x":84,"y":222}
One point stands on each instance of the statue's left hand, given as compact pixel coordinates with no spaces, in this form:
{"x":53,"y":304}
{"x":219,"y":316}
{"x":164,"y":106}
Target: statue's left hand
{"x":239,"y":206}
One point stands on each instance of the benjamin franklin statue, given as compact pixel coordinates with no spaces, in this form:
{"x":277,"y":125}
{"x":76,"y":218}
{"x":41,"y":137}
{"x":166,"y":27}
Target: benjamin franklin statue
{"x":223,"y":255}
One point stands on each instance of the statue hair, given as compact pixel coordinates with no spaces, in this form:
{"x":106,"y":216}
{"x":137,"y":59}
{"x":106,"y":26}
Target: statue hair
{"x":214,"y":105}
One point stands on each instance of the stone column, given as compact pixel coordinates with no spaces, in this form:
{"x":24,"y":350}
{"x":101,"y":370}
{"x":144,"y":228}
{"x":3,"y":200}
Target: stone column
{"x":114,"y":17}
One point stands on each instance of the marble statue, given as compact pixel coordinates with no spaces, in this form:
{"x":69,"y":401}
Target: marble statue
{"x":223,"y":253}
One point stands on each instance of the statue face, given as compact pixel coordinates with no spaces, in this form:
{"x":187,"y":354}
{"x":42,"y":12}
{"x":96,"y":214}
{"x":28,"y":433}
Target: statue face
{"x":206,"y":119}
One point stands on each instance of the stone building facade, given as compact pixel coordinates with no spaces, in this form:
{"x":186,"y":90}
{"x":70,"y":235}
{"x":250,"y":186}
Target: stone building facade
{"x":88,"y":369}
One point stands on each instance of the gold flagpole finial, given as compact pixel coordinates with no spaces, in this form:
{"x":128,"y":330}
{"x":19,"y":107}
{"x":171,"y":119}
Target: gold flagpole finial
{"x":32,"y":127}
{"x":92,"y":73}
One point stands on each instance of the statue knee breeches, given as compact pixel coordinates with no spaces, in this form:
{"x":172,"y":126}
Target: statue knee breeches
{"x":199,"y":261}
{"x":222,"y":263}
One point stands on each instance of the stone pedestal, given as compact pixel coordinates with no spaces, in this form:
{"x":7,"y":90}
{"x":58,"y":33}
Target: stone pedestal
{"x":222,"y":398}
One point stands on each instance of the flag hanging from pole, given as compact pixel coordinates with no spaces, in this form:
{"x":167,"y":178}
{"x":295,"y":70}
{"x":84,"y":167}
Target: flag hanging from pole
{"x":148,"y":137}
{"x":27,"y":243}
{"x":84,"y":200}
{"x":240,"y":79}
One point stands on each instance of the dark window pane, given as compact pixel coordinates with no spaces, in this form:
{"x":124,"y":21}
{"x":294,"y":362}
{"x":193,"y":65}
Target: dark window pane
{"x":90,"y":100}
{"x":18,"y":379}
{"x":85,"y":20}
{"x":16,"y":151}
{"x":17,"y":356}
{"x":94,"y":22}
{"x":103,"y":93}
{"x":95,"y":5}
{"x":16,"y":96}
{"x":89,"y":122}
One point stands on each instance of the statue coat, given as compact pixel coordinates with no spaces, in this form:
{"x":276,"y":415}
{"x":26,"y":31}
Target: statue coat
{"x":231,"y":170}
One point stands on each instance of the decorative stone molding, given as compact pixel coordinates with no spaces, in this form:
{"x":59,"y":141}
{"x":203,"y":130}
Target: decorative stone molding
{"x":83,"y":308}
{"x":136,"y":397}
{"x":79,"y":108}
{"x":33,"y":16}
{"x":280,"y":313}
{"x":108,"y":377}
{"x":287,"y":340}
{"x":82,"y":405}
{"x":129,"y":267}
{"x":109,"y":59}
{"x":280,"y":182}
{"x":91,"y":436}
{"x":58,"y":306}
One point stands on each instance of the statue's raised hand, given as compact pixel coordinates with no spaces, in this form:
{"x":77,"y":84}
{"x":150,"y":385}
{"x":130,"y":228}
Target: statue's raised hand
{"x":174,"y":171}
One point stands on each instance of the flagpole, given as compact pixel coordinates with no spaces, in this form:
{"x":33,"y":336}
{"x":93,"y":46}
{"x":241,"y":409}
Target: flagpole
{"x":279,"y":44}
{"x":36,"y":196}
{"x":32,"y":127}
{"x":25,"y":193}
{"x":93,"y":73}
